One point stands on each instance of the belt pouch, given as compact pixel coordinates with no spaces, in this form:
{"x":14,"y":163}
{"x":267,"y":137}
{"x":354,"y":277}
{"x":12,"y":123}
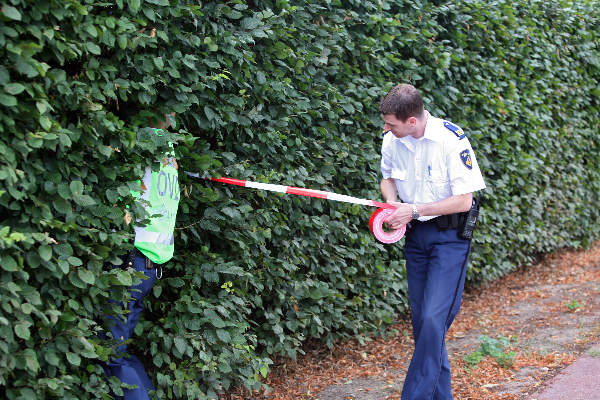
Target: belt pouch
{"x":442,"y":222}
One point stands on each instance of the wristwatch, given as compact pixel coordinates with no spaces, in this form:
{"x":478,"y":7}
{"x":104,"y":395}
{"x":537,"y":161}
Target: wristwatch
{"x":415,"y":212}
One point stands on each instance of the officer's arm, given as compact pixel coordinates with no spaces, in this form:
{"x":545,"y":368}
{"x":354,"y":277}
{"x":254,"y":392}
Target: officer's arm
{"x":450,"y":205}
{"x":388,"y":190}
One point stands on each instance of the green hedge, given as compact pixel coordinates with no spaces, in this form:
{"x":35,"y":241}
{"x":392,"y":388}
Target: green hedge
{"x":276,"y":91}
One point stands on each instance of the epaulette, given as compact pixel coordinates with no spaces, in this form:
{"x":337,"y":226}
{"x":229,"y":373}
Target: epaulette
{"x":460,"y":134}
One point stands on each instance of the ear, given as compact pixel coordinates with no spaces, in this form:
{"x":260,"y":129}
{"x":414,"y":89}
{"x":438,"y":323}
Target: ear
{"x":412,"y":121}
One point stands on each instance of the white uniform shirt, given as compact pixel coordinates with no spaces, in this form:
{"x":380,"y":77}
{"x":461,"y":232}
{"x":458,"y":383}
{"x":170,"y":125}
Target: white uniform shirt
{"x":432,"y":168}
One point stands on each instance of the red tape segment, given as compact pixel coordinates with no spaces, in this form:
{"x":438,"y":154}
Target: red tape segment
{"x":230,"y":181}
{"x":375,"y":222}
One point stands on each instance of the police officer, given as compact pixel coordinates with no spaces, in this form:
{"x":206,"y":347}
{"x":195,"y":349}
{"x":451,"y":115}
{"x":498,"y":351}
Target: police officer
{"x":429,"y":163}
{"x":153,"y":246}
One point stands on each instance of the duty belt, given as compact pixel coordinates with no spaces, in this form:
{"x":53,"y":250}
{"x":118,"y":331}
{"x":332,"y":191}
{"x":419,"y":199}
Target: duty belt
{"x":443,"y":222}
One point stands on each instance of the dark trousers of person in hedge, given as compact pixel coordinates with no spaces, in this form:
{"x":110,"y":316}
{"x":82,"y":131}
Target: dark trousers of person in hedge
{"x":124,"y":366}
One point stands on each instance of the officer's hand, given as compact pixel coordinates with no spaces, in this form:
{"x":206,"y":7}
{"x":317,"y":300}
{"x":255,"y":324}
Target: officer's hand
{"x":401,"y":216}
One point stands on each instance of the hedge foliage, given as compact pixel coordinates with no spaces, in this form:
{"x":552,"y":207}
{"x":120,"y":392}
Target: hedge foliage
{"x":278,"y":91}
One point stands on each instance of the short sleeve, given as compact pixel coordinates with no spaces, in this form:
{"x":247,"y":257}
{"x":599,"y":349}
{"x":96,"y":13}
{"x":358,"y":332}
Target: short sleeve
{"x":463,"y":169}
{"x":386,"y":156}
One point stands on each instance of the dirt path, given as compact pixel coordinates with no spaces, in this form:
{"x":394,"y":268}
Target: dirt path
{"x":508,"y":340}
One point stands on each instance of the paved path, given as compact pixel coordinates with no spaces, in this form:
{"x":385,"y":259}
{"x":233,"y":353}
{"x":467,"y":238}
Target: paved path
{"x":579,"y":381}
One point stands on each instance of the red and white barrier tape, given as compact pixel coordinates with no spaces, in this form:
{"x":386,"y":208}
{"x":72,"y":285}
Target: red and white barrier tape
{"x":375,"y":222}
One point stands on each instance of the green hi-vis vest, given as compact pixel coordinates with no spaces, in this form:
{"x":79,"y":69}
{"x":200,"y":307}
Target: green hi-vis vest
{"x":161,"y":197}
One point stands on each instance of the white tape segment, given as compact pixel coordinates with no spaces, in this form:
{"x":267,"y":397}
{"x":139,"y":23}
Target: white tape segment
{"x":266,"y":186}
{"x":375,"y":222}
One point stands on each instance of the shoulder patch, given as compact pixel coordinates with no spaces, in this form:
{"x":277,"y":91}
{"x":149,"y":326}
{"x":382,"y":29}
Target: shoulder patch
{"x":465,"y":157}
{"x":460,"y":134}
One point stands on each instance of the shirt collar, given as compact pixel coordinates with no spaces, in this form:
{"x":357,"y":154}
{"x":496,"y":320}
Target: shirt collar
{"x":431,"y":128}
{"x":431,"y":133}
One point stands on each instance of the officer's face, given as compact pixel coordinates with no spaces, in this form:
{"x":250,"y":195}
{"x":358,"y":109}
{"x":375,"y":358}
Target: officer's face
{"x":398,"y":128}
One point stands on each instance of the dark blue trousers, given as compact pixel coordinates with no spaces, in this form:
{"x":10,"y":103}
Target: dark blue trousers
{"x":127,"y":367}
{"x":436,"y":269}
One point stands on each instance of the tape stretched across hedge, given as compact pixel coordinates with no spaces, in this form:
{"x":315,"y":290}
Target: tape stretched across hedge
{"x":280,"y":92}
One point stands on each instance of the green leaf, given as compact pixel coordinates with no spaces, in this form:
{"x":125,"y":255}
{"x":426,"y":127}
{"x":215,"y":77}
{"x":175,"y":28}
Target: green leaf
{"x":42,"y":106}
{"x":51,"y":358}
{"x":45,"y":252}
{"x":74,"y":261}
{"x":64,"y":266}
{"x":63,"y":249}
{"x":22,"y":331}
{"x":174,"y":73}
{"x":261,"y":78}
{"x":249,"y":23}
{"x":224,"y":367}
{"x":4,"y":76}
{"x":124,"y":278}
{"x":84,"y":200}
{"x":11,"y":12}
{"x":45,"y":123}
{"x":134,"y":5}
{"x":122,"y":41}
{"x":210,"y":114}
{"x":61,"y":205}
{"x":93,"y":48}
{"x":180,"y":344}
{"x":7,"y":100}
{"x":232,"y":213}
{"x":76,"y":187}
{"x":223,"y":335}
{"x":91,"y":30}
{"x":14,"y":88}
{"x":13,"y":287}
{"x":64,"y":191}
{"x":159,"y":2}
{"x":26,"y":67}
{"x":64,"y":140}
{"x":86,"y":275}
{"x":31,"y":360}
{"x":8,"y":264}
{"x":75,"y":281}
{"x":264,"y":370}
{"x":214,"y":319}
{"x":74,"y":359}
{"x":27,"y":308}
{"x":158,"y":61}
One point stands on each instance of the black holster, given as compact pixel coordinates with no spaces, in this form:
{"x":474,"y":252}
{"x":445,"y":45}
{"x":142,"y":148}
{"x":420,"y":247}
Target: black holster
{"x":450,"y":221}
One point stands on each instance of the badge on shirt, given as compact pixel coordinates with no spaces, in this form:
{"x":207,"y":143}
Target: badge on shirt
{"x":454,"y":129}
{"x":465,"y":157}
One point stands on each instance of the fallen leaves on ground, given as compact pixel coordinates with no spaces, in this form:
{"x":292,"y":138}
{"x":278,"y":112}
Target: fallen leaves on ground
{"x":488,"y":309}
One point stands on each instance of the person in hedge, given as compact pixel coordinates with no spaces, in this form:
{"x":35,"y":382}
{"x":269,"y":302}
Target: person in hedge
{"x":429,"y":163}
{"x":153,"y":246}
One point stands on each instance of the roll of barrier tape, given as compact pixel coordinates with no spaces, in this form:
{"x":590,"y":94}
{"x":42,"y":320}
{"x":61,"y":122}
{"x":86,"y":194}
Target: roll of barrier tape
{"x":376,"y":227}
